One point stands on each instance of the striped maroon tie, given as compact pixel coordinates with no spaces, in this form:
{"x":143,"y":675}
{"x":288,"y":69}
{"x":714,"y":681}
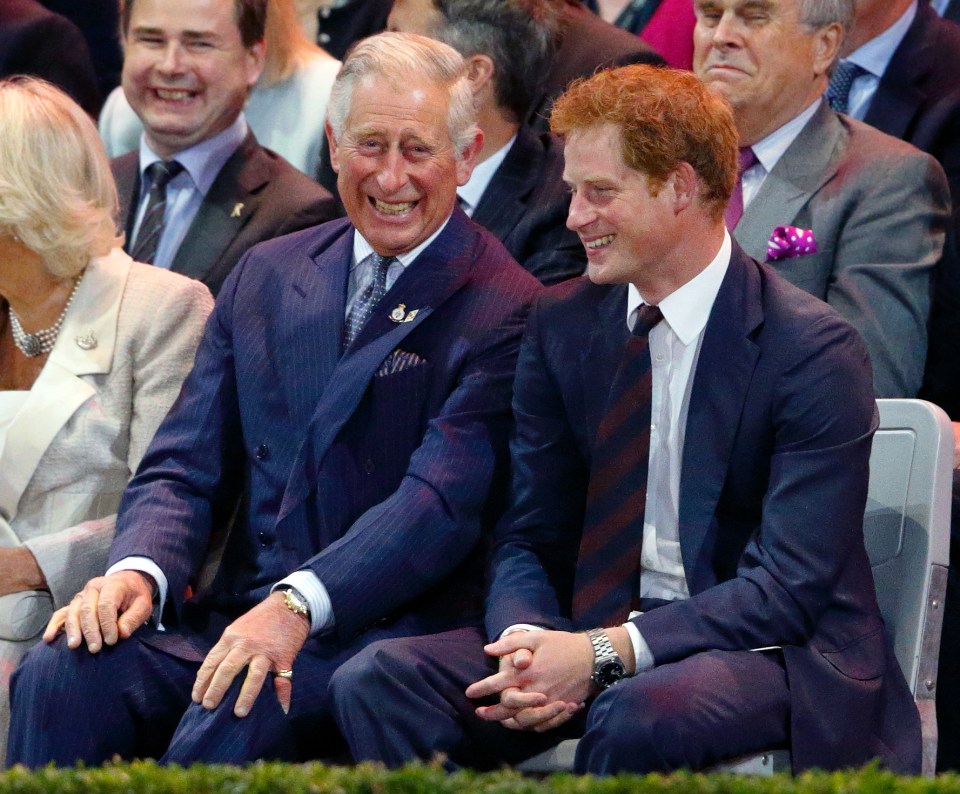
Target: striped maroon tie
{"x":609,"y":562}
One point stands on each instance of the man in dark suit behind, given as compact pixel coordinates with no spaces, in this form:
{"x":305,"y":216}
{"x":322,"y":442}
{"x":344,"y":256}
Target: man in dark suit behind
{"x":699,"y":518}
{"x":201,"y":190}
{"x":517,"y":190}
{"x":350,"y":402}
{"x":39,"y":42}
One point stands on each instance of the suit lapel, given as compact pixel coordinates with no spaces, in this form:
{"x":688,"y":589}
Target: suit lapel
{"x":228,"y":206}
{"x":898,"y":95}
{"x":126,"y":173}
{"x":600,"y":357}
{"x":60,"y":389}
{"x":437,"y":274}
{"x":313,"y":309}
{"x":727,"y":359}
{"x":809,"y":162}
{"x":503,"y":202}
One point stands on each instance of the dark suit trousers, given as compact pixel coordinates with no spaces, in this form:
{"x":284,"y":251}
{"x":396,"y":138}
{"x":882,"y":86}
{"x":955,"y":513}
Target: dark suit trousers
{"x":133,"y":700}
{"x":948,"y":682}
{"x":403,"y":699}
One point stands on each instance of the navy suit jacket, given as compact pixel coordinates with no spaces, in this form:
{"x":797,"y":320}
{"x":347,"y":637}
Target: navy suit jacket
{"x":256,"y":196}
{"x":525,"y":206}
{"x":372,"y":470}
{"x":772,"y":494}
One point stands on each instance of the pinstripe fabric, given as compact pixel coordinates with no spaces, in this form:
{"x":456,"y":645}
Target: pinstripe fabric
{"x":609,"y":560}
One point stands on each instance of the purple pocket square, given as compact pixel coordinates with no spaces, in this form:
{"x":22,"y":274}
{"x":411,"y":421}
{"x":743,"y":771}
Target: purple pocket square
{"x":398,"y":361}
{"x":788,"y":242}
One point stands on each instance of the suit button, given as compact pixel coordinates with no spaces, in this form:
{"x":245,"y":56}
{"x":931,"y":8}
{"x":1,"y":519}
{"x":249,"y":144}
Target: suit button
{"x":369,"y":466}
{"x":262,"y":453}
{"x":265,"y":539}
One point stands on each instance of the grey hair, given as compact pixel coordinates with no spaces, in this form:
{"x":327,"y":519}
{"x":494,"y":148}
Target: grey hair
{"x":400,"y":56}
{"x":517,"y":35}
{"x":819,"y":13}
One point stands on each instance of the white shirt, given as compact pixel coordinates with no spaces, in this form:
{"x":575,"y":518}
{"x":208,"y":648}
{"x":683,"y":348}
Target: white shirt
{"x":471,"y":193}
{"x":874,"y":57}
{"x":771,"y":149}
{"x":306,"y":582}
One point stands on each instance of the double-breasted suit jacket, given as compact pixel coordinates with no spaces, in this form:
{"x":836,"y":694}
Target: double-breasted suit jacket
{"x":772,"y":491}
{"x":256,"y":196}
{"x":373,"y":469}
{"x":878,"y":209}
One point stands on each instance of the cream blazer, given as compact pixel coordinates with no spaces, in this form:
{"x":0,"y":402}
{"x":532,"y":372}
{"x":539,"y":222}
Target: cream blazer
{"x":126,"y":345}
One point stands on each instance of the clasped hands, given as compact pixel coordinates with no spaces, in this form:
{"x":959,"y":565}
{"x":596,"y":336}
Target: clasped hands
{"x":543,"y":680}
{"x":264,"y":640}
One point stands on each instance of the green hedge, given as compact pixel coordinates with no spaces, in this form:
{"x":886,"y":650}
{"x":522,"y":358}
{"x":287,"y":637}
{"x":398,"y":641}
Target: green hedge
{"x":264,"y":778}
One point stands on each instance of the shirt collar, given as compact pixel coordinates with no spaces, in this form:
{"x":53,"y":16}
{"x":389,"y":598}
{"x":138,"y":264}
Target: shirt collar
{"x":771,"y":149}
{"x":203,"y":160}
{"x":687,"y":309}
{"x":473,"y":191}
{"x":362,"y":249}
{"x":875,"y":55}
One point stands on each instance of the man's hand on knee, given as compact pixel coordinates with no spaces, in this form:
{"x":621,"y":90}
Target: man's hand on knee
{"x":265,"y":640}
{"x":108,"y":609}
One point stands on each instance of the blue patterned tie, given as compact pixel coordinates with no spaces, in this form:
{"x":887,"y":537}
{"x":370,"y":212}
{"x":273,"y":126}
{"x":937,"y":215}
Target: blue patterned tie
{"x":151,"y":227}
{"x":367,"y":301}
{"x":608,"y":565}
{"x":838,"y":92}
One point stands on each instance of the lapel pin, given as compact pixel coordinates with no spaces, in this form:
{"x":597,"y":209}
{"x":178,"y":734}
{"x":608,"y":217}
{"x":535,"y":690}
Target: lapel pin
{"x":87,"y":341}
{"x":236,"y":209}
{"x":401,"y":315}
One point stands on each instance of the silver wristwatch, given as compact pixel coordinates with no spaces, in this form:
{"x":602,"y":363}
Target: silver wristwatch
{"x":608,"y":667}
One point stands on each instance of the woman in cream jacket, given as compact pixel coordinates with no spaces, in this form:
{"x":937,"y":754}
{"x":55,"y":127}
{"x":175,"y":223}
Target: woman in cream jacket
{"x":93,"y":349}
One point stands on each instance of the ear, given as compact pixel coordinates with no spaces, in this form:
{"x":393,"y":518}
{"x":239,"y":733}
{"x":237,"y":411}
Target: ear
{"x":332,"y":141}
{"x":468,"y":161}
{"x":255,"y":59}
{"x":826,"y":47}
{"x":480,"y":71}
{"x":685,"y":186}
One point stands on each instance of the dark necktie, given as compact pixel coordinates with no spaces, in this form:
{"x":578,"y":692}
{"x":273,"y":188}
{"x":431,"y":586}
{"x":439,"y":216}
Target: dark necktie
{"x":746,"y":159}
{"x":367,"y":300}
{"x":838,"y":92}
{"x":608,"y":565}
{"x":151,"y":227}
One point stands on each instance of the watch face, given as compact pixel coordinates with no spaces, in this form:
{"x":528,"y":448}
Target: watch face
{"x":608,"y":673}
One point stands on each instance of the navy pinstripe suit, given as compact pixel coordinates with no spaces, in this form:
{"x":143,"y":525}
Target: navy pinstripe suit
{"x":374,"y":476}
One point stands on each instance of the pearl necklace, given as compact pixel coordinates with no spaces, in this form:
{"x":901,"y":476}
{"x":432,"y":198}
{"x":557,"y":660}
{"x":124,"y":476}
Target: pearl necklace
{"x":32,"y":345}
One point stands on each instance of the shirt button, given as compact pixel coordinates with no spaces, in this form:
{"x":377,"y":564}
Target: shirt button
{"x":324,"y":38}
{"x":262,"y":453}
{"x":660,"y":356}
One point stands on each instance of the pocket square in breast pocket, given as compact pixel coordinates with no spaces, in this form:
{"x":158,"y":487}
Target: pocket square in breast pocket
{"x":788,"y":242}
{"x":398,"y":361}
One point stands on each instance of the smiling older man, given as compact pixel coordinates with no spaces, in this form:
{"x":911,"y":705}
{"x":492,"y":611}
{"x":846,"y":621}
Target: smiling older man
{"x":350,"y":402}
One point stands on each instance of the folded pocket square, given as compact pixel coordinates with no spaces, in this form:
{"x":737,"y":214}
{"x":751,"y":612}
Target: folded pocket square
{"x":398,"y":361}
{"x":788,"y":242}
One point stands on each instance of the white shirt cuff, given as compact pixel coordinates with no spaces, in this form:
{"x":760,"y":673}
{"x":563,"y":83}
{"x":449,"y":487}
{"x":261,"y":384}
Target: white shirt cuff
{"x":641,"y":651}
{"x":308,"y":584}
{"x":519,"y":627}
{"x":149,"y":567}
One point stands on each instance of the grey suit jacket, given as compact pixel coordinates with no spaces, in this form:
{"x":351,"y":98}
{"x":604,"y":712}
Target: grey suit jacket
{"x":256,"y":196}
{"x":878,"y":209}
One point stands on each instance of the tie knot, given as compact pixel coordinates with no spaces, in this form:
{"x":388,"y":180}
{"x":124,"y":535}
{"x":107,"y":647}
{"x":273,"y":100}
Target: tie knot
{"x":838,"y":92}
{"x":646,"y":318}
{"x":746,"y":159}
{"x":162,"y":171}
